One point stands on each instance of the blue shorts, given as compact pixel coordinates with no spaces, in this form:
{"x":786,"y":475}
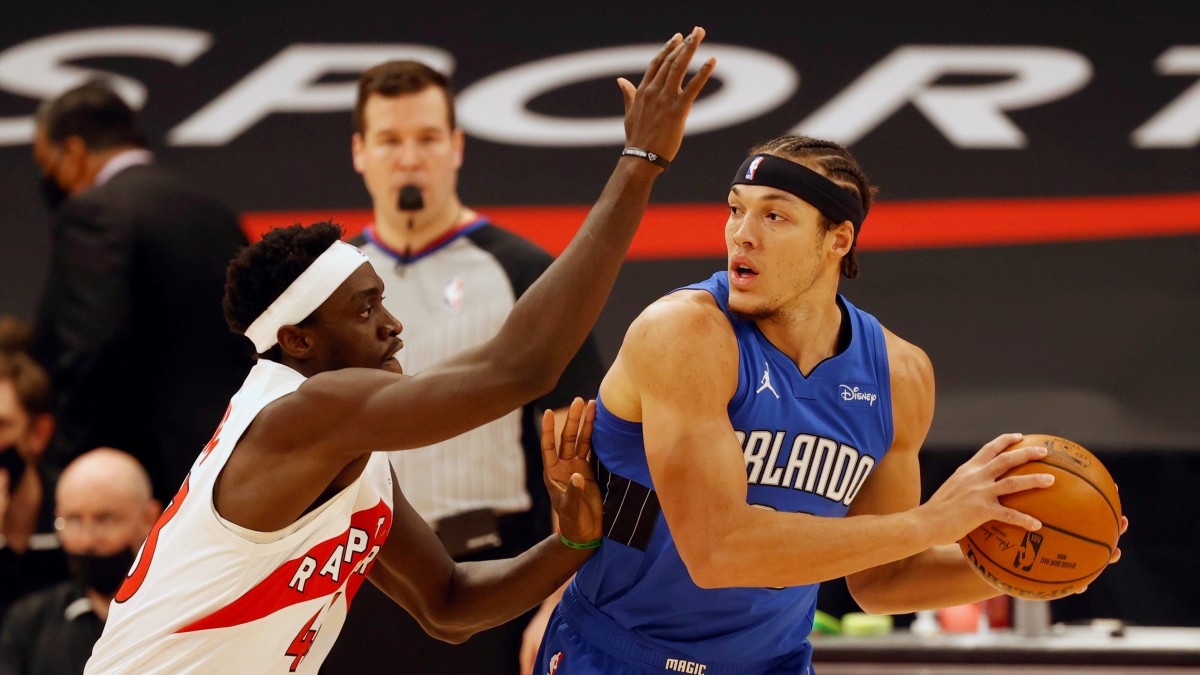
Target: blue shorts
{"x":613,"y":651}
{"x":564,"y":652}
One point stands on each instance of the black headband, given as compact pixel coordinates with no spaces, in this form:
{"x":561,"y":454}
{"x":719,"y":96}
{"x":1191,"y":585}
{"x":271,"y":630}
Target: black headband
{"x":828,"y":197}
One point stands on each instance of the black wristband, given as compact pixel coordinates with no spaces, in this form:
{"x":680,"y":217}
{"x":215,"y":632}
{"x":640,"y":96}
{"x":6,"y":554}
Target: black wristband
{"x":655,"y":159}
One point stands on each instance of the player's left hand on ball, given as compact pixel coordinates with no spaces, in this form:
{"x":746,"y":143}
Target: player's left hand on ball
{"x":1121,"y":533}
{"x":568,"y":473}
{"x":1116,"y":554}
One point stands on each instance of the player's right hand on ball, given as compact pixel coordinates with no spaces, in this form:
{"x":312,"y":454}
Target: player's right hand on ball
{"x":971,"y":496}
{"x":656,"y":110}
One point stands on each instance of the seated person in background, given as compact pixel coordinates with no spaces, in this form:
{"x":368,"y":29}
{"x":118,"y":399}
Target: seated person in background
{"x":105,"y":510}
{"x":30,"y":557}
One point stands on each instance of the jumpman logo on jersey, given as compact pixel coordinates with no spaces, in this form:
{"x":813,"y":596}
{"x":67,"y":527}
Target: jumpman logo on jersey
{"x":765,"y":383}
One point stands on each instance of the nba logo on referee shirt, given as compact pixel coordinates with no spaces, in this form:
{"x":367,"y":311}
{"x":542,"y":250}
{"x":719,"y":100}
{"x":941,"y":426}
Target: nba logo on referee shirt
{"x":753,"y":167}
{"x":452,"y":294}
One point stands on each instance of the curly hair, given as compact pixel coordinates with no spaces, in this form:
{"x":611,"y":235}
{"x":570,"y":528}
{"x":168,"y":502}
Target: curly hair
{"x":261,"y":272}
{"x":833,"y":161}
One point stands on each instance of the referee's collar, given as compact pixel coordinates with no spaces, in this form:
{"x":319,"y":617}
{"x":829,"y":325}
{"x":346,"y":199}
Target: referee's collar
{"x":432,"y":247}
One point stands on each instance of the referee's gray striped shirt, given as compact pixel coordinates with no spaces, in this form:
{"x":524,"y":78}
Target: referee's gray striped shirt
{"x":451,"y":296}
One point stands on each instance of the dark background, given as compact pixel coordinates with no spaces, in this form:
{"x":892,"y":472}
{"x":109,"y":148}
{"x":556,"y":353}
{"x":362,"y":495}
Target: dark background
{"x":1093,"y":340}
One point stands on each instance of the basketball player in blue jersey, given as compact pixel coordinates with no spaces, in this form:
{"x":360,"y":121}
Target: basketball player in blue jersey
{"x":758,"y":434}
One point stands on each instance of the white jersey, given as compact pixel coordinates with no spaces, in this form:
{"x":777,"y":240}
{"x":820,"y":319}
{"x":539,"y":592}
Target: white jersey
{"x":204,"y":597}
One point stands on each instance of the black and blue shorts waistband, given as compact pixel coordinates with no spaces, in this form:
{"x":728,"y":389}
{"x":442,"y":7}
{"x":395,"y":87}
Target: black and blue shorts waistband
{"x":603,"y":633}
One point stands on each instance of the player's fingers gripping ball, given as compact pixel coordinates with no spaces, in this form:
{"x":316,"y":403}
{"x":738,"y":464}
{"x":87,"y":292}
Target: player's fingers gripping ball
{"x":1081,"y":520}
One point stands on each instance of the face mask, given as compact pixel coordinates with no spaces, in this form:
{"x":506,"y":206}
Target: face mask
{"x":103,"y":574}
{"x":52,"y":193}
{"x":12,"y":462}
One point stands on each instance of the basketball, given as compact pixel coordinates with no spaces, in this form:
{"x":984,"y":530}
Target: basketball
{"x":1081,"y":519}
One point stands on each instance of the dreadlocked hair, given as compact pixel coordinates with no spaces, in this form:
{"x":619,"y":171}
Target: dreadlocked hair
{"x":833,"y":161}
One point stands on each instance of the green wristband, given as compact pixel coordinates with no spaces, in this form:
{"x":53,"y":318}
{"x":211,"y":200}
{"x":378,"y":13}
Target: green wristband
{"x":595,"y":543}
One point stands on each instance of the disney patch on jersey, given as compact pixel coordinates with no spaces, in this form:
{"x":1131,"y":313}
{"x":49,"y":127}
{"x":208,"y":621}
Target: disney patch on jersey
{"x":555,"y":662}
{"x":857,"y":395}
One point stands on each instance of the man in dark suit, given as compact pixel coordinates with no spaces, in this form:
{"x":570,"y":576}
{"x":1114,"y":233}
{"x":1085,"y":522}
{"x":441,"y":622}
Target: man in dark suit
{"x":130,"y":325}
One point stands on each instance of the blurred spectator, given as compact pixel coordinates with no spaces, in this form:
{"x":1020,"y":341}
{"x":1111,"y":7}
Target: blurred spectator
{"x":130,"y":325}
{"x":451,"y":278}
{"x":30,"y":557}
{"x":105,"y":510}
{"x":15,"y":334}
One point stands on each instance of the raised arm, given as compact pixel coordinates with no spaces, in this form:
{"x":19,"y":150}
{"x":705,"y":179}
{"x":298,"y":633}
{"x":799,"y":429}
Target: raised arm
{"x":550,"y":321}
{"x":681,"y":357}
{"x":325,"y":429}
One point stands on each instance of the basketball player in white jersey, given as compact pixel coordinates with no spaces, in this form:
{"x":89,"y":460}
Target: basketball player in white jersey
{"x":287,"y":510}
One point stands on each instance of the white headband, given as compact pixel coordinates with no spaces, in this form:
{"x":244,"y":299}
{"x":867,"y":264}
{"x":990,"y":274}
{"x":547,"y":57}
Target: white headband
{"x":306,"y":293}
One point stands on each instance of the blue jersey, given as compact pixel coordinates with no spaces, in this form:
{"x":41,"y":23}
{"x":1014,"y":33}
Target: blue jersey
{"x":809,"y":443}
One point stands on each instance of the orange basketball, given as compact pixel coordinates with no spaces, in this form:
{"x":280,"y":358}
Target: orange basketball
{"x":1081,"y":519}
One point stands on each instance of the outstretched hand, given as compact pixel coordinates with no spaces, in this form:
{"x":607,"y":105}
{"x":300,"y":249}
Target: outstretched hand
{"x":656,"y":110}
{"x":568,"y":474}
